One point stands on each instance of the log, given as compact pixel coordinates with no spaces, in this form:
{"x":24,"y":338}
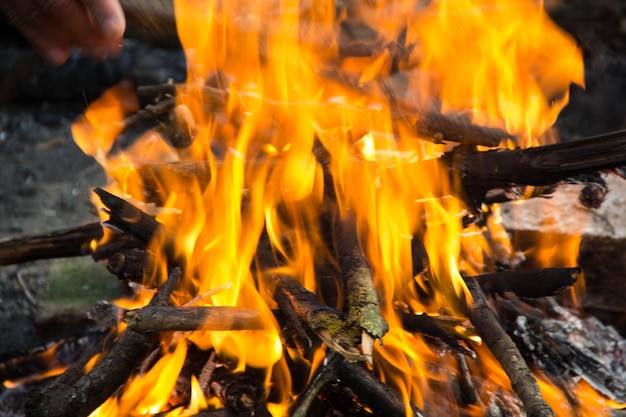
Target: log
{"x":149,"y":112}
{"x":376,"y":395}
{"x":539,"y":166}
{"x":84,"y":396}
{"x":324,"y":374}
{"x":455,"y":128}
{"x":429,"y":326}
{"x":362,"y":302}
{"x":238,"y":393}
{"x":170,"y":318}
{"x":507,"y":353}
{"x":328,"y":323}
{"x":127,"y":218}
{"x":535,"y":283}
{"x":133,"y":265}
{"x":64,"y":243}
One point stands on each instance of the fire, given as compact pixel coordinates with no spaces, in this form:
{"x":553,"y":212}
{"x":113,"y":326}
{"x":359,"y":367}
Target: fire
{"x":296,"y":75}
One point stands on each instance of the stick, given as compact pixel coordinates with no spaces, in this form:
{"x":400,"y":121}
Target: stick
{"x":133,"y":264}
{"x":534,"y":283}
{"x":453,"y":128}
{"x":327,"y":322}
{"x":57,"y":244}
{"x":507,"y":353}
{"x":428,"y":326}
{"x":541,"y":165}
{"x":170,"y":318}
{"x":361,"y":297}
{"x":149,"y":112}
{"x":101,"y":382}
{"x":128,"y":218}
{"x":324,"y":374}
{"x":376,"y":395}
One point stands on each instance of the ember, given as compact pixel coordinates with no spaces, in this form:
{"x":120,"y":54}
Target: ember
{"x":316,"y":209}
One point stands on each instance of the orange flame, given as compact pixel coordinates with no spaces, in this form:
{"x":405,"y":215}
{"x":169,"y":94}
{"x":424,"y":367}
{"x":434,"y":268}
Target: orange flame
{"x":290,"y":74}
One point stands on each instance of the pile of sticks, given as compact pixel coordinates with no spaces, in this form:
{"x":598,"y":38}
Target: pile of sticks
{"x":348,"y":333}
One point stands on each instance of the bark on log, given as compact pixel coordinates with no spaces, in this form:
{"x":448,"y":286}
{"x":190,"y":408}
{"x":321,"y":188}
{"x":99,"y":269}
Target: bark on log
{"x":128,"y":218}
{"x":170,"y":318}
{"x":80,"y":399}
{"x":534,"y":283}
{"x":507,"y":353}
{"x":361,"y":297}
{"x":57,"y":244}
{"x":539,"y":166}
{"x":133,"y":265}
{"x":327,"y":322}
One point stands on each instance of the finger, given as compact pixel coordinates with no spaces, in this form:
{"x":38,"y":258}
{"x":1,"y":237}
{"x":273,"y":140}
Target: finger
{"x":108,"y":18}
{"x":30,"y":18}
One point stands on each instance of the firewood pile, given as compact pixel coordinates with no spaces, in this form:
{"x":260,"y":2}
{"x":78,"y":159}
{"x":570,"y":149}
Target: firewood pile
{"x":329,"y":336}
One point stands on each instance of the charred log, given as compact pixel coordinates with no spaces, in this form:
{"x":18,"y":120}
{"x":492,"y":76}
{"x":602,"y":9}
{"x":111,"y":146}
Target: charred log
{"x":454,"y":128}
{"x":507,"y":353}
{"x":324,"y":374}
{"x":57,"y":244}
{"x":170,"y":318}
{"x":429,"y":327}
{"x":376,"y":395}
{"x":133,"y":265}
{"x":238,"y":394}
{"x":534,"y":283}
{"x":540,"y":166}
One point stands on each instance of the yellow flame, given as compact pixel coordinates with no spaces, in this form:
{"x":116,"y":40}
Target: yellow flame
{"x":267,"y":82}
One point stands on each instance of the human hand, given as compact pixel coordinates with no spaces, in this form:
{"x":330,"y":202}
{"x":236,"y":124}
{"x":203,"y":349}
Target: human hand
{"x":54,"y":27}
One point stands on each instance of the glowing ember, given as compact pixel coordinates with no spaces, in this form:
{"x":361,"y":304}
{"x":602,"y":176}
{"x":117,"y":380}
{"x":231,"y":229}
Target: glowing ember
{"x":300,"y":110}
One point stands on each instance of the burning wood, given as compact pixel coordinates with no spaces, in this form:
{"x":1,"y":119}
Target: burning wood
{"x":293,"y":189}
{"x":58,"y":244}
{"x":528,"y":283}
{"x":220,"y":318}
{"x":507,"y":354}
{"x":81,"y":397}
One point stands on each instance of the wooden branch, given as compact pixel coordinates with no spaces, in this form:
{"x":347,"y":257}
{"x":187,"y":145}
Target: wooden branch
{"x":170,"y":318}
{"x":327,"y":322}
{"x":534,"y":283}
{"x":149,"y":112}
{"x":541,"y":165}
{"x":507,"y":353}
{"x":80,"y":399}
{"x":57,"y":244}
{"x":361,"y":297}
{"x":127,"y":218}
{"x":430,"y":124}
{"x":376,"y":395}
{"x":429,"y":326}
{"x":454,"y":128}
{"x":133,"y":265}
{"x":325,"y":373}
